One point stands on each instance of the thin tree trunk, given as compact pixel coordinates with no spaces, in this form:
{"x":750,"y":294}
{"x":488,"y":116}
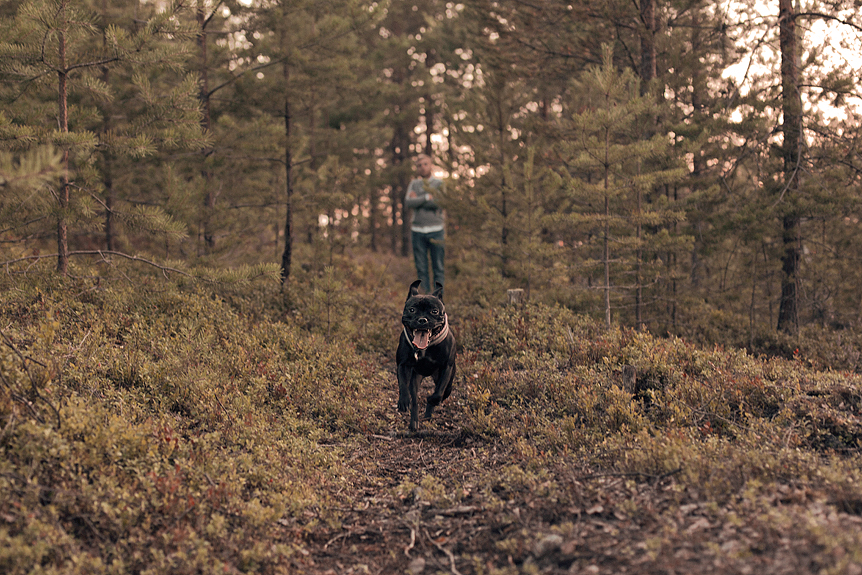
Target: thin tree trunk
{"x":372,"y":219}
{"x":429,"y":125}
{"x":606,"y":240}
{"x":400,"y":148}
{"x":204,"y":96}
{"x":110,"y":197}
{"x":788,"y":313}
{"x":406,"y":235}
{"x":698,"y":91}
{"x":430,"y":61}
{"x":311,"y":230}
{"x":504,"y":186}
{"x":287,"y":256}
{"x":751,"y":308}
{"x":648,"y":51}
{"x":647,"y":74}
{"x":62,"y":100}
{"x":396,"y":202}
{"x":108,"y":157}
{"x":638,"y":261}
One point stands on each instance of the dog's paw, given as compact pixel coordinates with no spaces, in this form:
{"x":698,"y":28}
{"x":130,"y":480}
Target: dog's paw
{"x":402,"y":406}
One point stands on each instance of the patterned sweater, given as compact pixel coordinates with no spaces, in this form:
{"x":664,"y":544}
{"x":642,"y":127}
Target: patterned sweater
{"x":421,"y":198}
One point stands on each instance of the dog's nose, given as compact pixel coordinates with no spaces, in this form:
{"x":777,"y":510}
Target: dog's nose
{"x":423,"y":320}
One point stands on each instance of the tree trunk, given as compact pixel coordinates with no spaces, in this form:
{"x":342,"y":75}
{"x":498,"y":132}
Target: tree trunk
{"x":204,"y":96}
{"x":110,"y":197}
{"x":399,"y":147}
{"x":639,"y":260}
{"x":108,"y":157}
{"x":373,"y":197}
{"x":698,"y":92}
{"x":504,"y":187}
{"x":63,"y":199}
{"x":312,"y":229}
{"x":606,"y":230}
{"x":430,"y":61}
{"x":788,"y":313}
{"x":429,"y":125}
{"x":287,"y":256}
{"x":647,"y":74}
{"x":403,"y":183}
{"x":648,"y":52}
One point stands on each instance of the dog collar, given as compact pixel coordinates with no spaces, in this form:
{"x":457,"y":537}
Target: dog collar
{"x":437,"y":338}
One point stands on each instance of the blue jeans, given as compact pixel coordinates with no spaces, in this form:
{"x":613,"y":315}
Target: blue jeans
{"x":425,"y":245}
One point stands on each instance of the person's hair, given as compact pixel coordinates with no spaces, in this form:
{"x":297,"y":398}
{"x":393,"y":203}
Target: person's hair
{"x":420,"y":156}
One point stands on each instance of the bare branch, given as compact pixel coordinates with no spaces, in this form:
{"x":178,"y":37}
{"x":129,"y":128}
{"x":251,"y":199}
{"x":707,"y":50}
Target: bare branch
{"x":92,"y":64}
{"x":816,"y":15}
{"x":102,"y":254}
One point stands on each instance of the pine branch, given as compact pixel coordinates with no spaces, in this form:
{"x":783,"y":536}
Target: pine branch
{"x":34,"y":168}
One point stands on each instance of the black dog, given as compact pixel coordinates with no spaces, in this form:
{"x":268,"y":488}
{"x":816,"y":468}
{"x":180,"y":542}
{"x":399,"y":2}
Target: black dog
{"x":426,"y":348}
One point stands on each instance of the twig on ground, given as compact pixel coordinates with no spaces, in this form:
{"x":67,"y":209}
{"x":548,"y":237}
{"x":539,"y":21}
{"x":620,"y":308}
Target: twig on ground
{"x":336,"y":538}
{"x":412,"y":541}
{"x":446,"y":552}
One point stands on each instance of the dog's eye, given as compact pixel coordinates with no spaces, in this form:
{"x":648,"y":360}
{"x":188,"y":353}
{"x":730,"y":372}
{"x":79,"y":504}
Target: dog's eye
{"x":434,"y":312}
{"x":412,"y":310}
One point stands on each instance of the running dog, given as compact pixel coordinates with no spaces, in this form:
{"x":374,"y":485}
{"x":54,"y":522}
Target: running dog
{"x":426,"y":349}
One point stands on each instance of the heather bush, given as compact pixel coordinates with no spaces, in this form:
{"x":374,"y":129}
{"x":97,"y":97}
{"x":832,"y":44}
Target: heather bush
{"x":159,"y":427}
{"x":146,"y":429}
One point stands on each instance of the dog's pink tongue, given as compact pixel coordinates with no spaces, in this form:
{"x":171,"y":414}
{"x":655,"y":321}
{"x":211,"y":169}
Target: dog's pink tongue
{"x":421,"y":339}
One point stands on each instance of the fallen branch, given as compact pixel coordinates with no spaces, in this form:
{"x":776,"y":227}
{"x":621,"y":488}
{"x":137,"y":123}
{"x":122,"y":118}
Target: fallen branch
{"x":630,"y":474}
{"x":383,"y":437}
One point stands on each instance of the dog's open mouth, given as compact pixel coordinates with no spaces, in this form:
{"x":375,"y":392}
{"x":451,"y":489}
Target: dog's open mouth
{"x":422,"y":338}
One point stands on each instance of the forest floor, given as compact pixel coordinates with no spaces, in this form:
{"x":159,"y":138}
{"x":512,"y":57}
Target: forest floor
{"x":444,"y":501}
{"x":539,"y":462}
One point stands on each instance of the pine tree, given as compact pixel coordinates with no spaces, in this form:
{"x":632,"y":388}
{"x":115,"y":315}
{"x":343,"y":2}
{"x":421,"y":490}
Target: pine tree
{"x":607,"y":174}
{"x":754,"y":227}
{"x":60,"y":47}
{"x":405,"y":46}
{"x":314,"y":54}
{"x":791,"y":104}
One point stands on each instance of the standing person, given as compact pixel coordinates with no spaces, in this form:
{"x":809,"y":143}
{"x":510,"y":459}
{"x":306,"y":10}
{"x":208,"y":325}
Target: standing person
{"x":427,"y":222}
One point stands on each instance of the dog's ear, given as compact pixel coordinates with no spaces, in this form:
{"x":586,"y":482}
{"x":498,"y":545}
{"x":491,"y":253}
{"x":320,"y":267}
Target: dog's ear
{"x":438,"y":293}
{"x":414,"y":288}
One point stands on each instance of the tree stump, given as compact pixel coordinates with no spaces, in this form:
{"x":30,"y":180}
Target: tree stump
{"x":515,"y":296}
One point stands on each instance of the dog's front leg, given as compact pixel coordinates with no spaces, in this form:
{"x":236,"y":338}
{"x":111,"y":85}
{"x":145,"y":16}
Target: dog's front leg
{"x":415,"y":379}
{"x":404,"y":375}
{"x":442,"y":389}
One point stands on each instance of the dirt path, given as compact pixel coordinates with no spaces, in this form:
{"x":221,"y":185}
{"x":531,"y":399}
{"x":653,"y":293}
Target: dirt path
{"x":448,"y":501}
{"x":444,"y":501}
{"x":402,"y":515}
